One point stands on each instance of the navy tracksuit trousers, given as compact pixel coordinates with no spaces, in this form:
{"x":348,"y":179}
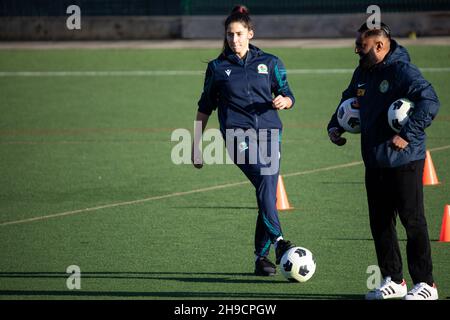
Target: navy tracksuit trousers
{"x":258,"y":157}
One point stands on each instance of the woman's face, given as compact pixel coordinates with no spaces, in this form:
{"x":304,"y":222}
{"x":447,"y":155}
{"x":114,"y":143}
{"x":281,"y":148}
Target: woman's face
{"x":238,"y":38}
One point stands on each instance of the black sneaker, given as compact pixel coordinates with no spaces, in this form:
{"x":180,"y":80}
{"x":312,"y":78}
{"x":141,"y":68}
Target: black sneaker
{"x":282,"y":247}
{"x":264,"y":267}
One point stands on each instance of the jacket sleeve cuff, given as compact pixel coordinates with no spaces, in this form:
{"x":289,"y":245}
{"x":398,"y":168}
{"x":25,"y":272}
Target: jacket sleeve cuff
{"x":292,"y":99}
{"x":404,"y":135}
{"x":204,"y":110}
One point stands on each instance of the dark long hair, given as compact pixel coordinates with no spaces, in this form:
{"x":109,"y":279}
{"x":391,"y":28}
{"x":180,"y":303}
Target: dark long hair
{"x":240,"y":14}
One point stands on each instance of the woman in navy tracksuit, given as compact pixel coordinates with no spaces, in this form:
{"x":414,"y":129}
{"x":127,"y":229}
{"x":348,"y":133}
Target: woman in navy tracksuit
{"x":242,"y":83}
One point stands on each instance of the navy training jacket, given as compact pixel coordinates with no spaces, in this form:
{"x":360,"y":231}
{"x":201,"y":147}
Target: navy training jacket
{"x":242,"y":90}
{"x":376,"y":89}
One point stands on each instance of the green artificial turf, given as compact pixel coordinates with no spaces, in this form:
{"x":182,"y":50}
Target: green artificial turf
{"x":103,"y":143}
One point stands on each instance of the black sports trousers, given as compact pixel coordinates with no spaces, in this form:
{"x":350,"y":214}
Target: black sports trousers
{"x":392,"y":192}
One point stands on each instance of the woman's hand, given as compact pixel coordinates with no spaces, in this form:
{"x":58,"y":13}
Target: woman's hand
{"x":196,"y":153}
{"x":197,"y":157}
{"x":281,"y":102}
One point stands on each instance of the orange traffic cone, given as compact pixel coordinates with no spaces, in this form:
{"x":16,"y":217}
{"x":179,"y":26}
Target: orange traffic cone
{"x":429,"y":173}
{"x":282,"y":200}
{"x":445,"y":229}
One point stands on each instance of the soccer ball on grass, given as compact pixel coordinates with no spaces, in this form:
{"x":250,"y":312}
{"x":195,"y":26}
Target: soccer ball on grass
{"x":298,"y":264}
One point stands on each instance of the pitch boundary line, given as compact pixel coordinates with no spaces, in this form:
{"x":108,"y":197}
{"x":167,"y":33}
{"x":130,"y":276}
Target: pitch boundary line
{"x":146,"y":73}
{"x":183,"y":193}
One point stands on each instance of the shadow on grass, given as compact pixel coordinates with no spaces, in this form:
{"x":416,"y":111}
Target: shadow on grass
{"x":205,"y":277}
{"x":342,"y":182}
{"x":201,"y":277}
{"x":351,"y":239}
{"x":177,"y":295}
{"x":217,"y":207}
{"x":370,"y":239}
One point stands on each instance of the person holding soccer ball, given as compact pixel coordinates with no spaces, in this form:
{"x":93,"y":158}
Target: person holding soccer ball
{"x":249,"y":87}
{"x":393,"y":161}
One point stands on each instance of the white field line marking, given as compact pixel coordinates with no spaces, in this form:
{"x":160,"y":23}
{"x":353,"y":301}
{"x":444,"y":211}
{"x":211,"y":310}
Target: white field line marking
{"x":328,"y":71}
{"x":178,"y":194}
{"x":100,"y":73}
{"x":134,"y":73}
{"x":439,"y":148}
{"x":119,"y":204}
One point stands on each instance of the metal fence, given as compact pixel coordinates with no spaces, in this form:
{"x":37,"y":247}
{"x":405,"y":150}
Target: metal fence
{"x":210,"y":7}
{"x":265,"y":7}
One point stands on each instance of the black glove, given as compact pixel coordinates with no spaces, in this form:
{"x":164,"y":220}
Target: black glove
{"x":335,"y":136}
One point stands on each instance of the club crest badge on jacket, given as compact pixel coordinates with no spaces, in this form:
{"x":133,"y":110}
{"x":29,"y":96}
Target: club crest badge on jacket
{"x":262,"y":68}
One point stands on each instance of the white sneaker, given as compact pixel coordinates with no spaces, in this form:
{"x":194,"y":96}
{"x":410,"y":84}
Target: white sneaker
{"x":422,"y":291}
{"x":388,"y":290}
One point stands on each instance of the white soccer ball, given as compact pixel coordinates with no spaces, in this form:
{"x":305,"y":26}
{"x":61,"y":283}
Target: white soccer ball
{"x":298,"y":264}
{"x":399,"y":112}
{"x":348,"y":116}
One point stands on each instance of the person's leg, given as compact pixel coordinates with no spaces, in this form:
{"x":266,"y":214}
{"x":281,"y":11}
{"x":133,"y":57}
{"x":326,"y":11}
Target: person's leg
{"x":382,"y":216}
{"x":254,"y":164}
{"x":263,"y":266}
{"x":263,"y":174}
{"x":268,"y":228}
{"x":262,"y":238}
{"x":408,"y":182}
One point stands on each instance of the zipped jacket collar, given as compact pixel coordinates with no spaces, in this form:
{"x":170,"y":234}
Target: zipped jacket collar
{"x":251,"y":53}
